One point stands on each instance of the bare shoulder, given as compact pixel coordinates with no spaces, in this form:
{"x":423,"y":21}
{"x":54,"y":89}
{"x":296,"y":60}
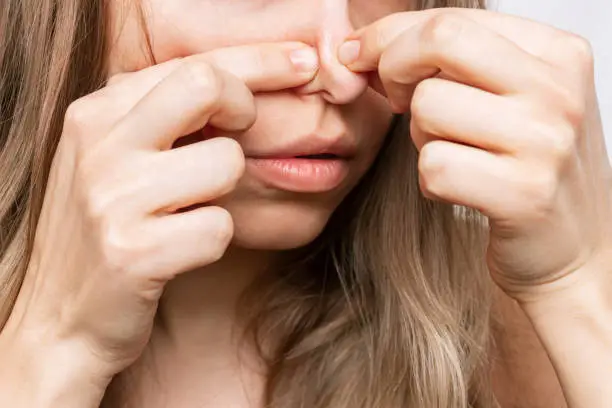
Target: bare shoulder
{"x":523,"y":375}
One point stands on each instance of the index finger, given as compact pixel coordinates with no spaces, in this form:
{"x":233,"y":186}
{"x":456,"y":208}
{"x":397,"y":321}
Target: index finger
{"x":266,"y":67}
{"x":262,"y":67}
{"x":534,"y":38}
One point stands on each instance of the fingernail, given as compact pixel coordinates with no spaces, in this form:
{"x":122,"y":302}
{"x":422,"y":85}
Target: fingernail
{"x":349,"y":52}
{"x":305,"y":59}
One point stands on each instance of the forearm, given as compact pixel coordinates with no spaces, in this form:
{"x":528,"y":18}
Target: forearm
{"x":45,"y":376}
{"x":576,"y":330}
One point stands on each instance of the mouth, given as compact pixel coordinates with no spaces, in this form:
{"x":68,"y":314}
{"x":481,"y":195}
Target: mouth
{"x":321,"y":156}
{"x":313,"y":173}
{"x":308,"y":164}
{"x":312,"y":164}
{"x":308,"y":146}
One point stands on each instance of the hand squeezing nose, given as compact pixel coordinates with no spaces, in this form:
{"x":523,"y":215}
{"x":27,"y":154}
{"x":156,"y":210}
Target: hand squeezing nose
{"x":338,"y":84}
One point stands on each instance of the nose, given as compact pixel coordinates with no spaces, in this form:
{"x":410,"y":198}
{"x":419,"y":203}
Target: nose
{"x":337,"y":84}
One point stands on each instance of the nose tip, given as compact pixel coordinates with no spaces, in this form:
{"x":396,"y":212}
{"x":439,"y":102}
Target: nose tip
{"x":334,"y":81}
{"x":345,"y":88}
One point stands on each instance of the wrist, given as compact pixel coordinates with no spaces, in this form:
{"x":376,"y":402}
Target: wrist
{"x":41,"y":373}
{"x":575,"y":327}
{"x":585,"y":297}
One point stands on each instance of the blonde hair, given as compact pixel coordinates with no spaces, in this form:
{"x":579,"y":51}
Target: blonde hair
{"x":389,"y":307}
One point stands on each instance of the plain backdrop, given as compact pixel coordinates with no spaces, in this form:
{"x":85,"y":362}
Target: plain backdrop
{"x":591,"y":19}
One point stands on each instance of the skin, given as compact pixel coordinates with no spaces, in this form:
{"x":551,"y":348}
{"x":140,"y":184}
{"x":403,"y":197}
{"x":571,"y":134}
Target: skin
{"x":504,"y":115}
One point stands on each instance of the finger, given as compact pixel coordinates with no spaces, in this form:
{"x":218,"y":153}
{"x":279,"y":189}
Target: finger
{"x":193,"y":174}
{"x":94,"y":115}
{"x":266,"y":67}
{"x":124,"y":90}
{"x":262,"y":67}
{"x":376,"y":83}
{"x":470,"y":177}
{"x":145,"y":78}
{"x":192,"y":96}
{"x":534,"y":38}
{"x":459,"y":113}
{"x":189,"y":240}
{"x":269,"y":67}
{"x":462,"y":51}
{"x":420,"y":137}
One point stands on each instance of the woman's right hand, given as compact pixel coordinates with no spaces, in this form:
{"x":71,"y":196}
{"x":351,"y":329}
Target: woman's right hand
{"x":109,"y":237}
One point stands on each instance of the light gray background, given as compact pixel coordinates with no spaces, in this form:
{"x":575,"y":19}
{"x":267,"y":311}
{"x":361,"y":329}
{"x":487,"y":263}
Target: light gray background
{"x":591,"y":19}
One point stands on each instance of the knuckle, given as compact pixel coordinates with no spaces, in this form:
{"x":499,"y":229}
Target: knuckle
{"x":558,"y":141}
{"x":225,"y":226}
{"x":244,"y":115}
{"x":378,"y":37}
{"x":97,"y":192}
{"x":421,"y":103}
{"x":418,"y":99}
{"x":375,"y":40}
{"x":419,"y":138}
{"x":432,"y":169}
{"x":104,"y":190}
{"x":574,"y":110}
{"x":540,"y":191}
{"x":97,"y":203}
{"x":443,"y":29}
{"x":79,"y":115}
{"x":232,"y":157}
{"x":201,"y":78}
{"x":120,"y":251}
{"x":567,"y":98}
{"x":579,"y":49}
{"x":389,"y":71}
{"x":221,"y":231}
{"x":562,"y":144}
{"x":246,"y":119}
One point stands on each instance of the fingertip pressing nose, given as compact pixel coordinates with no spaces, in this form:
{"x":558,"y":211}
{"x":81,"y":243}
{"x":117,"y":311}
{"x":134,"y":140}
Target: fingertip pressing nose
{"x":305,"y":60}
{"x":349,"y":52}
{"x":334,"y":80}
{"x":337,"y":83}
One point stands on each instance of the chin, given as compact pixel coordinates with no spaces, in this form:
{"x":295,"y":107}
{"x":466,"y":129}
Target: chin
{"x":277,"y":226}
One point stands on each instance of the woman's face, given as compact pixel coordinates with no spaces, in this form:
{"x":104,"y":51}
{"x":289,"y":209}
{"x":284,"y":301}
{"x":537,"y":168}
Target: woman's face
{"x":272,"y":209}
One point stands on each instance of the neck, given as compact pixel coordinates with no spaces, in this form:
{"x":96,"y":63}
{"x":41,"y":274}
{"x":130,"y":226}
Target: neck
{"x":197,"y":355}
{"x":197,"y":306}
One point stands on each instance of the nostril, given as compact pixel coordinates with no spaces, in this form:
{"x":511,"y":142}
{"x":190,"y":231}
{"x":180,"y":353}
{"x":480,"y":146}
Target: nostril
{"x":343,"y":86}
{"x":346,"y":93}
{"x":334,"y":81}
{"x":337,"y":85}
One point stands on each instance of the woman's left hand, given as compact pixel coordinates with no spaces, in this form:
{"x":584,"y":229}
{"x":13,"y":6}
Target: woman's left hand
{"x":504,"y":113}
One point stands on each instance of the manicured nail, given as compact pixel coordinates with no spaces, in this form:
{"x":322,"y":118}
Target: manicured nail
{"x":305,"y":59}
{"x":349,"y":52}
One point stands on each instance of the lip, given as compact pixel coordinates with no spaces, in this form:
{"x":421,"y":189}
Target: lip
{"x":292,"y":167}
{"x":300,"y":175}
{"x":309,"y":145}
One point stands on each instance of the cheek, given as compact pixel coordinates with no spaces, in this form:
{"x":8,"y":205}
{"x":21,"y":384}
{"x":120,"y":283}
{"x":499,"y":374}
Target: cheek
{"x":371,"y":120}
{"x":179,"y":28}
{"x":185,"y":27}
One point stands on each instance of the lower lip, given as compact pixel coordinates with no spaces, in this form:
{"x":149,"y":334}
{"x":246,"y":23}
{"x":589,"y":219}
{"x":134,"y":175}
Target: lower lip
{"x":300,"y":175}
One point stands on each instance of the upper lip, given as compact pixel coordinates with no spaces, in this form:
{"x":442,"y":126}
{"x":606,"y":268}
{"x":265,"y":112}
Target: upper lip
{"x":314,"y":144}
